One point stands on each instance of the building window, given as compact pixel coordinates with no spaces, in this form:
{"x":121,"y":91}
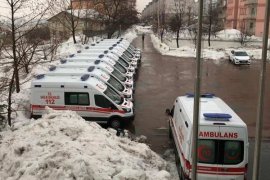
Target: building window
{"x":242,"y":11}
{"x":76,"y":98}
{"x":252,"y":11}
{"x":230,"y":11}
{"x":251,"y":25}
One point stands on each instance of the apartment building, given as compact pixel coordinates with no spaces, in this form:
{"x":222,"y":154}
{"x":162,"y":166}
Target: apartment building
{"x":165,"y":9}
{"x":246,"y":16}
{"x":90,"y":4}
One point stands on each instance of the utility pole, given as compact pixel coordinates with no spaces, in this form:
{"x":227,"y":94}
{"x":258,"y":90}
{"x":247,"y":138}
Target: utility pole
{"x":196,"y":110}
{"x":258,"y":137}
{"x":158,"y":17}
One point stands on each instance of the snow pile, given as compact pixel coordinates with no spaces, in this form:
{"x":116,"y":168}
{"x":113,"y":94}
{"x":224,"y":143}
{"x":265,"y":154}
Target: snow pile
{"x":130,"y":34}
{"x":61,"y":145}
{"x":229,"y":34}
{"x":186,"y":51}
{"x":161,"y":47}
{"x":144,"y":29}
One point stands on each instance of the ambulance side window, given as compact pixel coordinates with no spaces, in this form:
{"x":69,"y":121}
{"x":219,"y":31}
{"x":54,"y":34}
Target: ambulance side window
{"x":77,"y":98}
{"x":102,"y":101}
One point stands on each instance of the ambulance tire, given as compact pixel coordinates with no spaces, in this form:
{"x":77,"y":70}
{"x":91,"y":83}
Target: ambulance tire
{"x":178,"y":166}
{"x":115,"y":123}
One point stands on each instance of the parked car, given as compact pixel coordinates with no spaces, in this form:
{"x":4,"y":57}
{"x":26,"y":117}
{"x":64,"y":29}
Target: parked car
{"x":239,"y":57}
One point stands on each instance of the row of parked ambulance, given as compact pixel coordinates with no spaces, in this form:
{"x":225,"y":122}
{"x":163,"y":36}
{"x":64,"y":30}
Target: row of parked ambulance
{"x":97,"y":82}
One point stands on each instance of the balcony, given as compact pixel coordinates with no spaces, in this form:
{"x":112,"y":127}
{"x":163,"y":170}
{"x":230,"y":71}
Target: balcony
{"x":250,"y":16}
{"x":251,"y":2}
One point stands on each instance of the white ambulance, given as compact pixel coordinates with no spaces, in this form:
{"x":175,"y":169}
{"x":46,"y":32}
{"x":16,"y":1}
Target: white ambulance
{"x":96,"y":72}
{"x":88,"y":96}
{"x":90,"y":59}
{"x":120,"y":49}
{"x":113,"y":53}
{"x":126,"y":78}
{"x":125,"y":49}
{"x":105,"y":56}
{"x":222,"y":141}
{"x":123,"y":42}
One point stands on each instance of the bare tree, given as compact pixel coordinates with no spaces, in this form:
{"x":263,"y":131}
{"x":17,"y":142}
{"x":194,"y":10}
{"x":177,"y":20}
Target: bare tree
{"x":244,"y":35}
{"x":69,"y":14}
{"x":212,"y":20}
{"x":23,"y":17}
{"x":117,"y":14}
{"x":177,"y":21}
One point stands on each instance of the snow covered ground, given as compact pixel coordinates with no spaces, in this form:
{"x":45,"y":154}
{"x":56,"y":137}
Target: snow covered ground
{"x":213,"y":53}
{"x":61,"y":145}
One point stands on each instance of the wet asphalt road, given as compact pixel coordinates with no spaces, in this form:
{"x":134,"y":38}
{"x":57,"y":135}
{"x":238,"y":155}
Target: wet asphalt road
{"x":162,"y":78}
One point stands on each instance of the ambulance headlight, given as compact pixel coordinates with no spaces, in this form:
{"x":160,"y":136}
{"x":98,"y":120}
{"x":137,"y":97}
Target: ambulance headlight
{"x":127,"y":110}
{"x":127,"y":96}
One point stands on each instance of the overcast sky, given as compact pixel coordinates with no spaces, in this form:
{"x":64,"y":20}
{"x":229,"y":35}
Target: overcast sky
{"x":141,"y":4}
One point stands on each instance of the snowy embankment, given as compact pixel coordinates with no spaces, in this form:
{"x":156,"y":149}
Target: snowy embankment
{"x":211,"y":52}
{"x":62,"y":145}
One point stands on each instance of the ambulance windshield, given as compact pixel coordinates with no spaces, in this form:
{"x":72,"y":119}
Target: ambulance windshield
{"x":125,"y":59}
{"x":124,"y":63}
{"x":119,"y":75}
{"x":114,"y":96}
{"x":124,"y":56}
{"x":213,"y":151}
{"x":127,"y":53}
{"x":120,"y":67}
{"x":116,"y":84}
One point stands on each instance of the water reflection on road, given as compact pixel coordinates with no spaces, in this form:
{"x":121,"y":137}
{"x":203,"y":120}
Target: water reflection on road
{"x":162,"y":78}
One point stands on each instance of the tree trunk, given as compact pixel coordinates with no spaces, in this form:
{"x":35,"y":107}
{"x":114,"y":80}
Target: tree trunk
{"x":15,"y":59}
{"x":9,"y":110}
{"x":177,"y":38}
{"x":73,"y":28}
{"x":26,"y":65}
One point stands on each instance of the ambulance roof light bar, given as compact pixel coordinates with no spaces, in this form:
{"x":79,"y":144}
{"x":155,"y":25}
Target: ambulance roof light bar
{"x":52,"y":68}
{"x":85,"y":77}
{"x":40,"y":76}
{"x":97,"y":62}
{"x":63,"y":61}
{"x":217,"y":116}
{"x":205,"y":95}
{"x":91,"y":69}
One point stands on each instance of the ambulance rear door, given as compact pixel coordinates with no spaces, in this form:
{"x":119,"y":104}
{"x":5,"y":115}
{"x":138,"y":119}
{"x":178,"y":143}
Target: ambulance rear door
{"x":234,"y":153}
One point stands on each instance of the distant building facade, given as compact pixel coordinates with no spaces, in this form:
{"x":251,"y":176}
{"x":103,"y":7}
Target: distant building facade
{"x":86,"y":21}
{"x":246,"y":16}
{"x":165,"y":9}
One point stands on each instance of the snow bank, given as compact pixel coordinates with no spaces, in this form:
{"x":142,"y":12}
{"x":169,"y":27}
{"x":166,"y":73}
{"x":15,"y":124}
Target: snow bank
{"x":228,"y":34}
{"x":130,"y":34}
{"x":186,"y":51}
{"x":161,"y":47}
{"x":61,"y":145}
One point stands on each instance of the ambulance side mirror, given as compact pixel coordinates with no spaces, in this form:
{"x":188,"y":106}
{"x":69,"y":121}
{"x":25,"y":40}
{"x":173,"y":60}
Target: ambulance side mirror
{"x":168,"y":112}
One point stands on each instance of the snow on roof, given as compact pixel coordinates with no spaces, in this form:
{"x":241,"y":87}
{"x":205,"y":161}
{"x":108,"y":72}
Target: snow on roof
{"x":84,"y":13}
{"x":61,"y":145}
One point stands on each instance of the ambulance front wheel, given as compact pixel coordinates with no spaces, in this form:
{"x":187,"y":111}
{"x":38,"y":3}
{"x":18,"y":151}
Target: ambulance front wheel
{"x":115,"y":123}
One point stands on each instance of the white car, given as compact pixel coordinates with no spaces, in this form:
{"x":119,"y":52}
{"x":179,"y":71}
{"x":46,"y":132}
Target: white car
{"x":239,"y":57}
